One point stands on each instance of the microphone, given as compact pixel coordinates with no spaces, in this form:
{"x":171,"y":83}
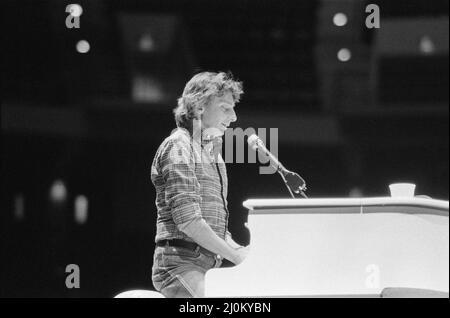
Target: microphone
{"x":257,"y":145}
{"x":292,"y":179}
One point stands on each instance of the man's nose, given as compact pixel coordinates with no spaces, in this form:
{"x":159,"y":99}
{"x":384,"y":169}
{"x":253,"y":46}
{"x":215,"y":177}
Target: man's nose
{"x":233,"y":116}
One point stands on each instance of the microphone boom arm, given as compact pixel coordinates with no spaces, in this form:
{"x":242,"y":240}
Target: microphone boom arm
{"x":293,"y":182}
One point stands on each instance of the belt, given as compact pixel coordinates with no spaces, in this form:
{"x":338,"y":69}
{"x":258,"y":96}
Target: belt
{"x":178,"y":243}
{"x":188,"y":245}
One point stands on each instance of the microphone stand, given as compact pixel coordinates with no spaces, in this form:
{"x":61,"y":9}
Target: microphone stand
{"x":294,"y":183}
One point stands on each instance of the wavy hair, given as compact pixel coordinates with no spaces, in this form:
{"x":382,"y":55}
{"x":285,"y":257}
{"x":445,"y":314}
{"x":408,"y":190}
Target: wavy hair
{"x":199,"y":91}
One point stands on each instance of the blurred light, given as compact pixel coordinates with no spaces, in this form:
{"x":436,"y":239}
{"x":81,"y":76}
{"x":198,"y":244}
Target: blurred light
{"x":75,"y":9}
{"x":83,"y":46}
{"x":355,"y":192}
{"x":81,"y":209}
{"x":340,"y":19}
{"x":19,"y":207}
{"x":427,"y":45}
{"x":344,"y":55}
{"x":58,"y":191}
{"x":277,"y":34}
{"x":146,"y":43}
{"x":147,"y":89}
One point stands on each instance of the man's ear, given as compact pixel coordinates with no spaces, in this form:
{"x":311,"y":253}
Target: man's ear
{"x":201,"y":110}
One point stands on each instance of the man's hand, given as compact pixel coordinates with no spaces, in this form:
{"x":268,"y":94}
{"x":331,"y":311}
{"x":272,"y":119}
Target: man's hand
{"x":202,"y":234}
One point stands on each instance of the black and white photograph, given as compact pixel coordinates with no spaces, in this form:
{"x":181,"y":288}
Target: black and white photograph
{"x":228,"y":153}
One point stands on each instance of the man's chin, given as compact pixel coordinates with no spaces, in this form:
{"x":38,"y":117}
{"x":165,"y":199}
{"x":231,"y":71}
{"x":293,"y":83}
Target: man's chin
{"x":214,"y":131}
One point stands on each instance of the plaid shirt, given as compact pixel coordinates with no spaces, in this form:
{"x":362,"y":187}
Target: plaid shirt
{"x":189,"y":184}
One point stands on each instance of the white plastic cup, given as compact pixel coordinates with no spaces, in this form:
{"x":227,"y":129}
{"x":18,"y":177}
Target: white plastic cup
{"x":399,"y":190}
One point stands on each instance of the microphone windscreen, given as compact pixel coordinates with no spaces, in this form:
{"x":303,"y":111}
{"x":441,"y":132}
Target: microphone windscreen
{"x":253,"y":141}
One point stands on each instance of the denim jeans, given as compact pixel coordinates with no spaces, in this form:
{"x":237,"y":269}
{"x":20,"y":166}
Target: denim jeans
{"x":180,"y":272}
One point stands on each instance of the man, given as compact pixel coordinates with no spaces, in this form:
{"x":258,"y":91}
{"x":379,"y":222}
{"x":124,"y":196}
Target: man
{"x":191,"y":184}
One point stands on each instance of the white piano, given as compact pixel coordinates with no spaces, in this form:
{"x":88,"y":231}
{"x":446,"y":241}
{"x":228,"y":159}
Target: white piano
{"x":340,"y":248}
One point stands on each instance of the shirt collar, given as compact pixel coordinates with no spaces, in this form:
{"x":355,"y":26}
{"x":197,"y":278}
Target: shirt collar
{"x":212,"y":145}
{"x":205,"y":139}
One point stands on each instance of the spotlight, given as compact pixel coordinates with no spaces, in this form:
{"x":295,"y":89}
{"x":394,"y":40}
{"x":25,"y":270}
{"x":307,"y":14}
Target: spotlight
{"x":344,"y":55}
{"x":146,"y":43}
{"x":83,"y":46}
{"x":81,"y":209}
{"x":340,"y":19}
{"x":426,"y":45}
{"x":58,"y":191}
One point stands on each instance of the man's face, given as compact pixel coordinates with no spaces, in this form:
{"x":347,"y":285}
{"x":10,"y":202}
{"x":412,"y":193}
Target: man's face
{"x":219,"y":113}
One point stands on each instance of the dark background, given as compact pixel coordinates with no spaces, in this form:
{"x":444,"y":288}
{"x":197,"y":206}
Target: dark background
{"x":349,"y":128}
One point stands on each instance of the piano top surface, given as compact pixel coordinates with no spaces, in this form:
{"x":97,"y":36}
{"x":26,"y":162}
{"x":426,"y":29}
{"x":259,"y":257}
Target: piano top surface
{"x":414,"y":205}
